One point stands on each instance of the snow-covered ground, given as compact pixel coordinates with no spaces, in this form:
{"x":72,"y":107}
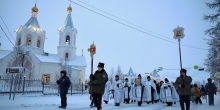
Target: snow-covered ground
{"x":81,"y":102}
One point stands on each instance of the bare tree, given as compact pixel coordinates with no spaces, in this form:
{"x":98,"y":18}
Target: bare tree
{"x":19,"y":59}
{"x":119,"y":73}
{"x":111,"y":75}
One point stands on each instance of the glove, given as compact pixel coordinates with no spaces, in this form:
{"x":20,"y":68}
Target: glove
{"x":58,"y":82}
{"x":169,"y":85}
{"x":117,"y":85}
{"x":215,"y":93}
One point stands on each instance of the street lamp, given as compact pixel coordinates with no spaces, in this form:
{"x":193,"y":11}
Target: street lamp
{"x":179,"y":34}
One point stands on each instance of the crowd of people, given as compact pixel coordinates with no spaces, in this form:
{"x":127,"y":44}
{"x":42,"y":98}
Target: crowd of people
{"x":141,"y":91}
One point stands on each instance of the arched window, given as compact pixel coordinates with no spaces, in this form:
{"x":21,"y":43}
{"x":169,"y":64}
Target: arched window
{"x":28,"y":43}
{"x":68,"y":40}
{"x":38,"y":43}
{"x":66,"y":56}
{"x":19,"y":42}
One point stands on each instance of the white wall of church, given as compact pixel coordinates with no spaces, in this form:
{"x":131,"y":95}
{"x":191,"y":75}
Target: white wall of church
{"x":50,"y":68}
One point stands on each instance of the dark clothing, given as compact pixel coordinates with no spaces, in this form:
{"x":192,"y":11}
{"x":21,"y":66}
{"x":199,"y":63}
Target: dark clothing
{"x":211,"y":89}
{"x":97,"y":99}
{"x":63,"y":100}
{"x":183,"y":85}
{"x":185,"y":99}
{"x":158,"y":88}
{"x":98,"y":84}
{"x":64,"y":83}
{"x":198,"y":100}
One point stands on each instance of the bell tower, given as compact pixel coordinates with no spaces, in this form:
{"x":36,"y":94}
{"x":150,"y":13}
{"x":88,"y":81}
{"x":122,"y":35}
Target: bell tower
{"x":67,"y":41}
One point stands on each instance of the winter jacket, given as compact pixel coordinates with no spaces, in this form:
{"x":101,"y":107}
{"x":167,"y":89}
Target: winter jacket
{"x":183,"y":85}
{"x":64,"y":83}
{"x":210,"y":88}
{"x":99,"y":81}
{"x":197,"y":92}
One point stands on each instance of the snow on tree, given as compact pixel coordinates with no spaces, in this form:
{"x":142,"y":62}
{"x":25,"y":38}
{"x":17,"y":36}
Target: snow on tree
{"x":212,"y":61}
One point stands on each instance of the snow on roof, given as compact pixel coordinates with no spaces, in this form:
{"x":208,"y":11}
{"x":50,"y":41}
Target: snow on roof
{"x":68,"y":22}
{"x":4,"y":53}
{"x":76,"y":68}
{"x":52,"y":58}
{"x":33,"y":22}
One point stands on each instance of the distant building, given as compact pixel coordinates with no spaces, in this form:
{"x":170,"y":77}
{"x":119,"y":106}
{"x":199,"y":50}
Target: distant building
{"x":30,"y":38}
{"x":130,"y":75}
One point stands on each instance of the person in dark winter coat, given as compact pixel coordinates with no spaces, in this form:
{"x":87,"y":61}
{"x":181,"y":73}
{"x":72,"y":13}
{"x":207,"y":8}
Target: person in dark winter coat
{"x":211,"y":90}
{"x":98,"y":85}
{"x":64,"y":83}
{"x":184,"y":89}
{"x":203,"y":92}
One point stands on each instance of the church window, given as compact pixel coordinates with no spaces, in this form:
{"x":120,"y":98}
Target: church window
{"x":68,"y":40}
{"x":28,"y":43}
{"x":66,"y":56}
{"x":19,"y":41}
{"x":38,"y":43}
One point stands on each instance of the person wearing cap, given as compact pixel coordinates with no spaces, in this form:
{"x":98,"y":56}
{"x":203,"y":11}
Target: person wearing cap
{"x":184,"y":89}
{"x":210,"y":89}
{"x":168,"y":93}
{"x":117,"y":88}
{"x":151,"y":86}
{"x":64,"y":83}
{"x":100,"y":78}
{"x":127,"y":87}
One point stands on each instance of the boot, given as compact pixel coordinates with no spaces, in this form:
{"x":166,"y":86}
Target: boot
{"x":182,"y":107}
{"x":60,"y":107}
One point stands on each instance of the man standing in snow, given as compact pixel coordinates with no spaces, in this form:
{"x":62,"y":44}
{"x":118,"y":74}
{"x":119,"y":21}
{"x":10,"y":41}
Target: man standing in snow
{"x":211,"y":89}
{"x":99,"y":80}
{"x":153,"y":91}
{"x":64,"y":83}
{"x":127,"y":87}
{"x":117,"y":88}
{"x":184,"y":89}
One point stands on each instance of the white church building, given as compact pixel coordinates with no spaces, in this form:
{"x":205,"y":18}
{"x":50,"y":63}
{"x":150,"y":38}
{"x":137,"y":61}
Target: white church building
{"x":29,"y":52}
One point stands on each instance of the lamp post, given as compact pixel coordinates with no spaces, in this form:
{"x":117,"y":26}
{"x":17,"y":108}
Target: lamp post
{"x":92,"y":51}
{"x":179,"y":34}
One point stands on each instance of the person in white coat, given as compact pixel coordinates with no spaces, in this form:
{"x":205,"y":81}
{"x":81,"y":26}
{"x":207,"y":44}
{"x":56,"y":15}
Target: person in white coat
{"x":117,"y":88}
{"x":132,"y":95}
{"x":107,"y":91}
{"x":127,"y":87}
{"x":168,"y":93}
{"x":153,"y":91}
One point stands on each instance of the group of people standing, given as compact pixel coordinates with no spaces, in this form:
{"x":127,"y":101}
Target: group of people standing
{"x":140,"y":91}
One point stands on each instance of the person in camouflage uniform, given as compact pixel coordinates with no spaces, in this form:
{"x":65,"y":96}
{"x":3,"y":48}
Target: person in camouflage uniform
{"x":211,"y":89}
{"x":98,"y":85}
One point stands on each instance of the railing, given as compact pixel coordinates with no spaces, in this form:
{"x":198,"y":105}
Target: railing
{"x":31,"y":86}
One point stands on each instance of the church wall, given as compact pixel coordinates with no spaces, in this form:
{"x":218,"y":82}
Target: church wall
{"x":52,"y":69}
{"x":82,"y":74}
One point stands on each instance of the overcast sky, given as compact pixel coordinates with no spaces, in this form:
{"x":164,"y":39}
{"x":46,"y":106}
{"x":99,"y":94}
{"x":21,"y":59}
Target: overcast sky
{"x":118,"y":44}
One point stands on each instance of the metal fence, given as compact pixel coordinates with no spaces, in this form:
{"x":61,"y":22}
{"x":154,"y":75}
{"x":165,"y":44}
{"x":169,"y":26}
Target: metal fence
{"x":31,"y":86}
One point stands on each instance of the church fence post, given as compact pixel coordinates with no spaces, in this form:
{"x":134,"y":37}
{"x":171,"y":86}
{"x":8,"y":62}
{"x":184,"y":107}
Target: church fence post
{"x":82,"y":88}
{"x":43,"y":87}
{"x":71,"y":88}
{"x":23,"y":85}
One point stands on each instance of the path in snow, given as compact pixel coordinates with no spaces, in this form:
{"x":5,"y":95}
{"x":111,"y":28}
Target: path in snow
{"x":81,"y":102}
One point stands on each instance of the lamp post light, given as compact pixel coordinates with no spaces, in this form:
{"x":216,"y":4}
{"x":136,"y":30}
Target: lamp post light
{"x":179,"y":34}
{"x":92,"y":51}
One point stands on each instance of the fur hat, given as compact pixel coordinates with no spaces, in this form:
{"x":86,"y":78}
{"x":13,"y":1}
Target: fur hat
{"x":64,"y":72}
{"x":117,"y":76}
{"x":101,"y":65}
{"x":126,"y":78}
{"x":148,"y":77}
{"x":183,"y":70}
{"x":139,"y":75}
{"x":166,"y":80}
